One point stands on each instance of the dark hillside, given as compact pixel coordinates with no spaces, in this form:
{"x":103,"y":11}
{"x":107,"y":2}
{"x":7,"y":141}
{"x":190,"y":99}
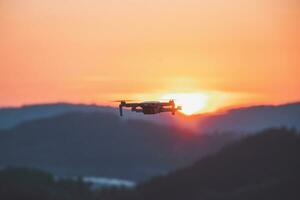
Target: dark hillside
{"x":32,"y":184}
{"x":263,"y":166}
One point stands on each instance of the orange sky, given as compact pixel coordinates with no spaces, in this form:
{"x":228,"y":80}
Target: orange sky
{"x":93,"y":51}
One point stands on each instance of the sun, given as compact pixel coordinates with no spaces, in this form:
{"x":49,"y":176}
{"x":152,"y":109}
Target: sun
{"x":191,"y":103}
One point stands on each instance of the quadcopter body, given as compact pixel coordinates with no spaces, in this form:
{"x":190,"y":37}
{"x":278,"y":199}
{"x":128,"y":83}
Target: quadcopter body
{"x":150,"y":107}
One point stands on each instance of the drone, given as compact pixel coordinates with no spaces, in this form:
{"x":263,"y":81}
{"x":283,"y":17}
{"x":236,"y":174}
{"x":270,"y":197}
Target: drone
{"x":150,"y":107}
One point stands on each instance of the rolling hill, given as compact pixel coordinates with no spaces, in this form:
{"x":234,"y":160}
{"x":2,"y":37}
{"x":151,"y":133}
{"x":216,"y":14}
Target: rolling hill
{"x":262,"y":166}
{"x":102,"y":144}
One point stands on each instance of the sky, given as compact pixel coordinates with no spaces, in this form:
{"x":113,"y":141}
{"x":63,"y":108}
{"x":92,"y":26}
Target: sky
{"x":93,"y":51}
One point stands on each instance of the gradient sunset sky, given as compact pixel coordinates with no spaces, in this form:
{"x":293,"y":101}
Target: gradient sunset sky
{"x":94,"y":51}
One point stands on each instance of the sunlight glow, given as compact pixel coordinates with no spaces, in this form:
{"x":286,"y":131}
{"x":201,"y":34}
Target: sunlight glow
{"x":191,"y":103}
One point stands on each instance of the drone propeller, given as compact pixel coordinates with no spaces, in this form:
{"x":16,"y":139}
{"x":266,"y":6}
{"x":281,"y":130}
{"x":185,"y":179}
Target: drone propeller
{"x":122,"y":100}
{"x":167,"y":99}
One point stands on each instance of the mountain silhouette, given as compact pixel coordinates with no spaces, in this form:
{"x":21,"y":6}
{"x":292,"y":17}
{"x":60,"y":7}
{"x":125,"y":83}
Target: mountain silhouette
{"x":263,"y":166}
{"x":103,"y":144}
{"x":10,"y":117}
{"x":246,"y":120}
{"x":252,"y":119}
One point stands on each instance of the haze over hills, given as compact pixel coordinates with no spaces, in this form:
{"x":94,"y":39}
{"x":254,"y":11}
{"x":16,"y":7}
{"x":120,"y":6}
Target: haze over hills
{"x":90,"y":140}
{"x":10,"y":117}
{"x":102,"y":144}
{"x":249,"y":119}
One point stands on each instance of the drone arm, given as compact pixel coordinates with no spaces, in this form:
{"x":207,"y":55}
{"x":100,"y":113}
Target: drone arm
{"x":131,"y":105}
{"x":121,"y":110}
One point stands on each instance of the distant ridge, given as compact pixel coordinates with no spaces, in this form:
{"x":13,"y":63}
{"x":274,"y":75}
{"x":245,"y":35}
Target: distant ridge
{"x":252,"y":119}
{"x":244,"y":119}
{"x":12,"y":116}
